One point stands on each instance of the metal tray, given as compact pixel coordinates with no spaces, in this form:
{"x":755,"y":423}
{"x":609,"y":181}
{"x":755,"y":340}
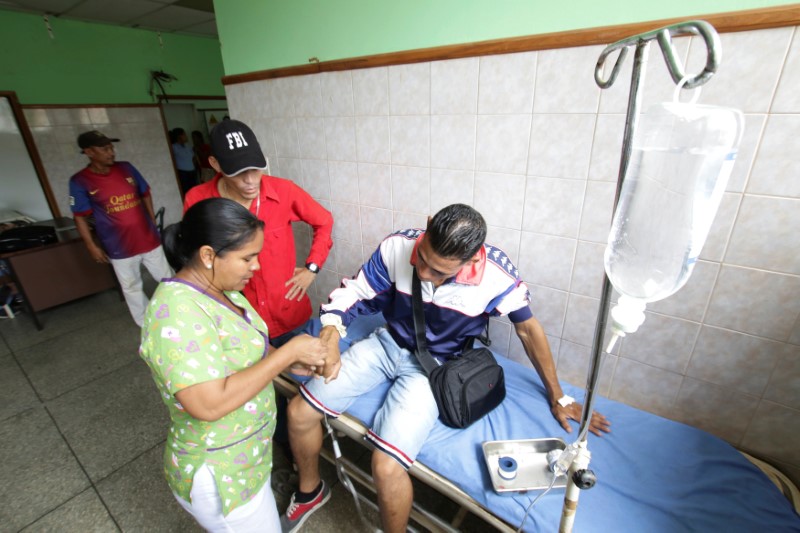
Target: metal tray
{"x":533,"y":472}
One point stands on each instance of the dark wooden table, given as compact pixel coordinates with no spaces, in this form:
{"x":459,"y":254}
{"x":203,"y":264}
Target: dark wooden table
{"x":57,"y":273}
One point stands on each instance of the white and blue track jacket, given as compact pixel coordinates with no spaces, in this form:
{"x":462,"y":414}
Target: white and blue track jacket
{"x":455,"y":312}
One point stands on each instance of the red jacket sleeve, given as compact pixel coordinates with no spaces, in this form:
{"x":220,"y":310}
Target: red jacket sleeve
{"x":308,"y":210}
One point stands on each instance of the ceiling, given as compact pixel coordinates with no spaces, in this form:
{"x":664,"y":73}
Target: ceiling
{"x":186,"y":17}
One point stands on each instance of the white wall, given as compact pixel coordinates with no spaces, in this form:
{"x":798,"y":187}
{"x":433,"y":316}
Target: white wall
{"x":19,"y":184}
{"x":531,"y":142}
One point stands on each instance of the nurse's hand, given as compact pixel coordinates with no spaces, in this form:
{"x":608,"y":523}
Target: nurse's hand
{"x":307,"y":351}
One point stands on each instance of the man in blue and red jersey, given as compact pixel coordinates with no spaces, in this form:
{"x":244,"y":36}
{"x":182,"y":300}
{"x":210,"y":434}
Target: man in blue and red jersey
{"x":464,"y":282}
{"x":118,"y":198}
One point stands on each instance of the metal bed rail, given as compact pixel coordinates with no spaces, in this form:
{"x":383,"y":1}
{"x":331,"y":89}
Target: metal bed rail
{"x":354,"y":429}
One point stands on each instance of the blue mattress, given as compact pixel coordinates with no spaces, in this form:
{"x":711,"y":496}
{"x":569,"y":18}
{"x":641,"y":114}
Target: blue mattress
{"x":654,"y":474}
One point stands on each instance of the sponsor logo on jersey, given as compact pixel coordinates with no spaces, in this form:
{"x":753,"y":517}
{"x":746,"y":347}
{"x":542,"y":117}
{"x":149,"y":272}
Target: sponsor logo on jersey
{"x":455,"y":301}
{"x":122,"y":202}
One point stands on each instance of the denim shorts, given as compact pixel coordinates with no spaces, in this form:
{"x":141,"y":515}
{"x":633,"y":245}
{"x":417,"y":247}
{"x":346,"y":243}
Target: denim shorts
{"x":408,"y":413}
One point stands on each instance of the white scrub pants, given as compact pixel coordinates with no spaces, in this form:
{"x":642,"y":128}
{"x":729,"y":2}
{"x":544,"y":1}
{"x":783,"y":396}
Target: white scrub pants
{"x":259,"y":515}
{"x":129,"y":274}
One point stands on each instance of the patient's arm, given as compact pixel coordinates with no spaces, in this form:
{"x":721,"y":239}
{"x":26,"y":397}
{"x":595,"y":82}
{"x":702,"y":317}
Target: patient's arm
{"x":531,"y":333}
{"x":330,"y":337}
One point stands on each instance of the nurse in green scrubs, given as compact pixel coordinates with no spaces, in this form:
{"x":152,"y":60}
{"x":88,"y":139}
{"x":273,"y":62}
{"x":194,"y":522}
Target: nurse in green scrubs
{"x":209,"y":354}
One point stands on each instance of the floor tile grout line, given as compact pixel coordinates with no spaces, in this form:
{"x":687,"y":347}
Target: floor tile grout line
{"x":120,"y":467}
{"x":60,"y":307}
{"x":62,"y":504}
{"x":22,"y":412}
{"x":93,"y":380}
{"x":27,"y":378}
{"x":39,"y":402}
{"x":83,"y":469}
{"x":37,"y":343}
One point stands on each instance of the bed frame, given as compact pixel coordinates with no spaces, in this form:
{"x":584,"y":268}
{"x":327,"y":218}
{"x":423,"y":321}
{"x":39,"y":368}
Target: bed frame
{"x":355,"y":430}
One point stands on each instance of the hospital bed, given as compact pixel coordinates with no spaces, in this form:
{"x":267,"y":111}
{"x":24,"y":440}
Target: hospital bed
{"x":654,"y":474}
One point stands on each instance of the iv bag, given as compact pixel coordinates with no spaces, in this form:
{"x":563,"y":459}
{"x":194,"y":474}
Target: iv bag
{"x":682,"y":157}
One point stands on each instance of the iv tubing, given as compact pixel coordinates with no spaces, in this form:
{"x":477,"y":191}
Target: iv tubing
{"x":612,"y":342}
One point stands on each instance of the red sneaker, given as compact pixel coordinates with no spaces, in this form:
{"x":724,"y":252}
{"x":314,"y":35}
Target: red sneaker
{"x":298,"y":513}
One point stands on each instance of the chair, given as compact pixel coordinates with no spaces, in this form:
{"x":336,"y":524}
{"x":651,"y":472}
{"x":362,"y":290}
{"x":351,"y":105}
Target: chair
{"x":6,"y":297}
{"x":160,"y":219}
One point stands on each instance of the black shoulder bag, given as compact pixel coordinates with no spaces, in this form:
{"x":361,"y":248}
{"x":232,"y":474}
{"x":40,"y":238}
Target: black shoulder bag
{"x":465,"y":388}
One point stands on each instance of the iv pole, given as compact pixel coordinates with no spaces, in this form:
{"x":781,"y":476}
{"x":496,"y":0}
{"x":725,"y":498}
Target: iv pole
{"x":579,"y":476}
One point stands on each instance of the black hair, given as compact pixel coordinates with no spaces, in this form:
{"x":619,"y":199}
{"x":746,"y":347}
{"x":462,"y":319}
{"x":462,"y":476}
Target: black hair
{"x":222,"y":224}
{"x":457,"y":231}
{"x":175,"y":133}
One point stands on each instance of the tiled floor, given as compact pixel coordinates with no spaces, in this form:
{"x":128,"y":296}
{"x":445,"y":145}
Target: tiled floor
{"x":83,"y":431}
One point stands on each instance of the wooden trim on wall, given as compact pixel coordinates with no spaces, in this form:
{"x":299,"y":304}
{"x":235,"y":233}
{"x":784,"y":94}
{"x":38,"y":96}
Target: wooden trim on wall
{"x":58,"y":106}
{"x":30,"y":144}
{"x":189,"y":97}
{"x":753,"y":19}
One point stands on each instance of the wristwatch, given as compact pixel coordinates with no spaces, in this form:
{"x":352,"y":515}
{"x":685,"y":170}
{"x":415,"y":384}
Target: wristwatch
{"x":566,"y":400}
{"x":313,"y":267}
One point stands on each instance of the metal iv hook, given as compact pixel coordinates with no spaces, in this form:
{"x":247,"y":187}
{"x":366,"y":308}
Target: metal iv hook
{"x":664,"y":37}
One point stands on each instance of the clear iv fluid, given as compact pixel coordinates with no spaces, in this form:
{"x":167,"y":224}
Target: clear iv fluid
{"x":665,"y":210}
{"x":681,"y":159}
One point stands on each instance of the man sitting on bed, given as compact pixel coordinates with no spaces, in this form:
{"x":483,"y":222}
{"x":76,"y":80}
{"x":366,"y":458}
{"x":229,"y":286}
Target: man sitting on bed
{"x":464,"y":282}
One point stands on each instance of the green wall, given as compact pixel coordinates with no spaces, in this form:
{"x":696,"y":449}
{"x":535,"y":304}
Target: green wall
{"x":265,"y":34}
{"x":100,"y":64}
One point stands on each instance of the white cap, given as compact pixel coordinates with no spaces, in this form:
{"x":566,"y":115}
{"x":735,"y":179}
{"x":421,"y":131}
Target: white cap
{"x":627,"y":315}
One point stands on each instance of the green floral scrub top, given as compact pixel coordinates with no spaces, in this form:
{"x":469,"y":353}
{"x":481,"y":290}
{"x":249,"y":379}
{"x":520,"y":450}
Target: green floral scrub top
{"x":189,"y":337}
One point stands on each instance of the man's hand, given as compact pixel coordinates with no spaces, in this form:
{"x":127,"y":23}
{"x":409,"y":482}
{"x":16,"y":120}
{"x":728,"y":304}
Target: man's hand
{"x":95,"y":250}
{"x":299,"y":369}
{"x":333,"y":362}
{"x":573,"y":412}
{"x":98,"y":255}
{"x":299,"y":283}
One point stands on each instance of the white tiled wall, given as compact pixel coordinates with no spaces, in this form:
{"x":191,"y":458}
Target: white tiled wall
{"x":534,"y":144}
{"x":142,"y":143}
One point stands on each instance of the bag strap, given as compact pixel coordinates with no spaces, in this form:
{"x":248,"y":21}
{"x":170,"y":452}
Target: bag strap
{"x":423,"y":355}
{"x":484,"y":338}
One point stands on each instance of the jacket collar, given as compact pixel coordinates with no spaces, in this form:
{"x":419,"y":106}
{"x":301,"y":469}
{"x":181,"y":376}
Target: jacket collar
{"x":267,"y":188}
